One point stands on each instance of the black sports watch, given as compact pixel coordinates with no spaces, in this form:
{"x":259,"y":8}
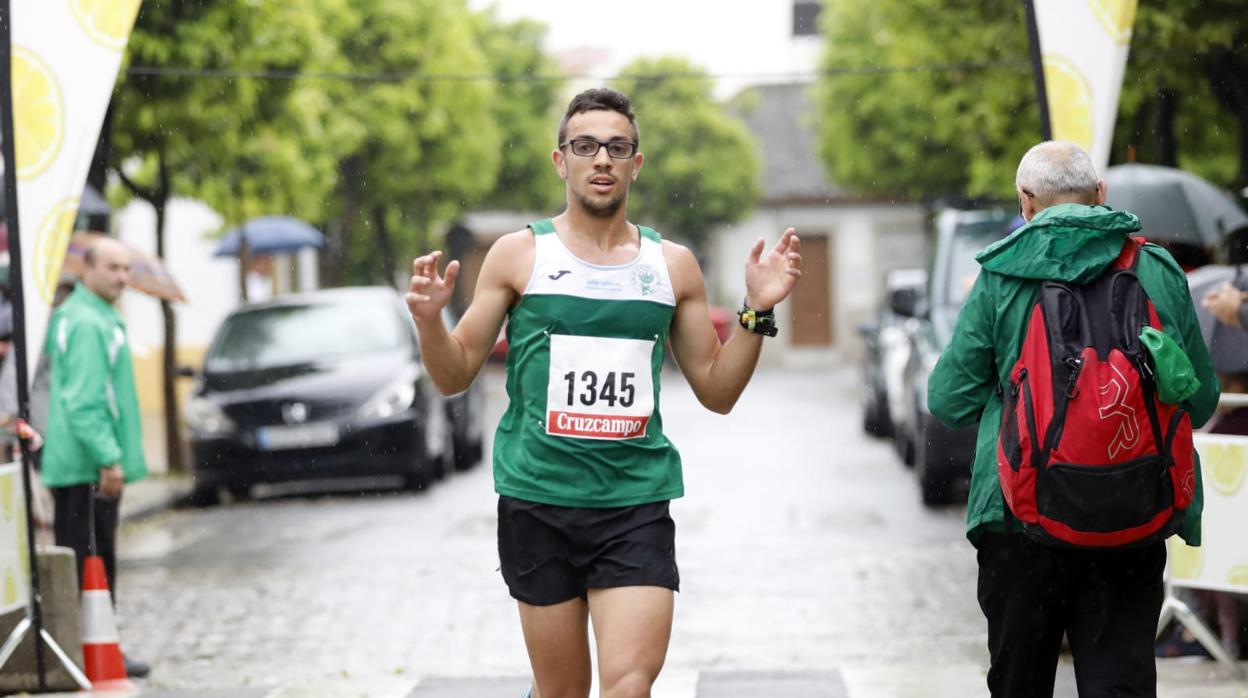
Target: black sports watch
{"x":758,"y":321}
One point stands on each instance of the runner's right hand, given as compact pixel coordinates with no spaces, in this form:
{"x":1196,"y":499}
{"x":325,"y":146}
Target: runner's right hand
{"x":427,"y":292}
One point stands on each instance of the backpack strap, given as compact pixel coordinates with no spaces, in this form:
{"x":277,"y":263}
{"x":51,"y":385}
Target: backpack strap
{"x":1130,"y":253}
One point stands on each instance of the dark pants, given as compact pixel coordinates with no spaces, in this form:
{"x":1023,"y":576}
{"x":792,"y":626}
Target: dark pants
{"x":72,"y":530}
{"x":1106,"y":601}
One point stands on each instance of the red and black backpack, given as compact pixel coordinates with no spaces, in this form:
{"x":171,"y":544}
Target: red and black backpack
{"x":1087,"y":456}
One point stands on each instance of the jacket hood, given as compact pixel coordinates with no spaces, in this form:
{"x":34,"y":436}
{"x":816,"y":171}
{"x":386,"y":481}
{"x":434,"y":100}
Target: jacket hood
{"x":1066,"y":242}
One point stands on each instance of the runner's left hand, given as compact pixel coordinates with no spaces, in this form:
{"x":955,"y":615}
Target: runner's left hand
{"x":770,"y":279}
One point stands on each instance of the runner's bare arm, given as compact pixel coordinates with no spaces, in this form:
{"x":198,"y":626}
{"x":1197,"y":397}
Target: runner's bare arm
{"x":453,"y":359}
{"x":718,"y":374}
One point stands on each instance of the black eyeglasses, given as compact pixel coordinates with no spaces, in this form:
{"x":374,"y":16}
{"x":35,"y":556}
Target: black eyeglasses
{"x":589,"y":147}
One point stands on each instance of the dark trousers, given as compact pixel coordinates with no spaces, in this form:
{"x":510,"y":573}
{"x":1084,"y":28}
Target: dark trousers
{"x":72,"y":530}
{"x":1106,"y":601}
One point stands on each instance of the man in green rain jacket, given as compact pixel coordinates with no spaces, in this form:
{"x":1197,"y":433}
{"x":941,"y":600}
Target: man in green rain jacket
{"x":1106,"y":601}
{"x":94,"y":440}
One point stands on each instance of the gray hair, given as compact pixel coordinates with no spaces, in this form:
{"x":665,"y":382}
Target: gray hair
{"x":1057,"y":170}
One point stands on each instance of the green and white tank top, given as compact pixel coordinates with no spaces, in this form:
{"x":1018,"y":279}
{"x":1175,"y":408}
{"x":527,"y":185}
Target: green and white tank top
{"x":585,"y":348}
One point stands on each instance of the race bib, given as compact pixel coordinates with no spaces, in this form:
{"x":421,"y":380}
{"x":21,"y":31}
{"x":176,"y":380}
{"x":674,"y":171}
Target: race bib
{"x":600,"y":388}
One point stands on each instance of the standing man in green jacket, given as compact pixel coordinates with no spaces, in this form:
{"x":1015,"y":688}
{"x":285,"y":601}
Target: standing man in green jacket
{"x":1108,"y":601}
{"x":94,"y":442}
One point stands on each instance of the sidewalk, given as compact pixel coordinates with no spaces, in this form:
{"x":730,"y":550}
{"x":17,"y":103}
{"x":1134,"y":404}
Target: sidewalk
{"x":155,"y":494}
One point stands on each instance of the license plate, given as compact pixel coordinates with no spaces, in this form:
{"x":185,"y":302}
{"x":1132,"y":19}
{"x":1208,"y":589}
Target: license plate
{"x":301,"y":436}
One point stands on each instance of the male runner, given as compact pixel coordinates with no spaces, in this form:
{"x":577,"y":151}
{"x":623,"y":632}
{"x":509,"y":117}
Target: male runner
{"x":582,"y":468}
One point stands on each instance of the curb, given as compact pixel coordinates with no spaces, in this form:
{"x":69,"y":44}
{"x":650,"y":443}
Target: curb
{"x":153,"y":496}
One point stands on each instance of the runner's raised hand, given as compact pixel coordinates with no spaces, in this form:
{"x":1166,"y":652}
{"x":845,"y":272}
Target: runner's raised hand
{"x":768,"y":280}
{"x":427,"y":292}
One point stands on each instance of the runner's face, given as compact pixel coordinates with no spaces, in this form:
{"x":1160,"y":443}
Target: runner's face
{"x":599,"y":184}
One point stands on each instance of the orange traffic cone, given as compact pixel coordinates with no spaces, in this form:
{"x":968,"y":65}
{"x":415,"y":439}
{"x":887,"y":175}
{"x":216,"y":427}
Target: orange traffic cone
{"x":101,"y":648}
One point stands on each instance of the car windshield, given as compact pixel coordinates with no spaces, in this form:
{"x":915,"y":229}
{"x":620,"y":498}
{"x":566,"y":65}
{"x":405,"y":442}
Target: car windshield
{"x":290,"y":334}
{"x":968,"y":239}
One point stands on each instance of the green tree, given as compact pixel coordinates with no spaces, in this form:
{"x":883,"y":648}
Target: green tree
{"x":701,"y":170}
{"x":1185,"y":96}
{"x":232,"y":141}
{"x":929,"y":97}
{"x":426,"y":142}
{"x":525,"y":105}
{"x":930,"y":130}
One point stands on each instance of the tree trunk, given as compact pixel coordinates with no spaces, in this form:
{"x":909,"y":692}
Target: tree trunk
{"x":158,"y":196}
{"x":97,"y":174}
{"x":385,"y":245}
{"x":1167,"y":109}
{"x":334,"y":260}
{"x":173,"y":431}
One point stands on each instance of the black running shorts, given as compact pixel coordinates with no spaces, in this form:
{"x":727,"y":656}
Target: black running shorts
{"x":551,"y":554}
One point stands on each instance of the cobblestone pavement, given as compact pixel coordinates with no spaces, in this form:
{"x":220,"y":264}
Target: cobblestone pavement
{"x":808,"y":569}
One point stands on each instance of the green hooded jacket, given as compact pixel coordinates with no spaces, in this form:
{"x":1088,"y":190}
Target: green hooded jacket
{"x":93,"y":411}
{"x":1067,"y":242}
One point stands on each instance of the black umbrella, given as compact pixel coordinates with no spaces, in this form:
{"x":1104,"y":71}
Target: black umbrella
{"x":1174,"y":205}
{"x":1228,"y":345}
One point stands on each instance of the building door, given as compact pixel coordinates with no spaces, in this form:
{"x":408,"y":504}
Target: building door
{"x":812,"y":299}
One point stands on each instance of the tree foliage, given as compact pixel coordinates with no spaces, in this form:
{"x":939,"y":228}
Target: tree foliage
{"x":928,"y":97}
{"x":525,"y":106}
{"x":236,"y":142}
{"x":423,"y":146}
{"x":1185,"y":97}
{"x":701,"y":168}
{"x":954,"y":122}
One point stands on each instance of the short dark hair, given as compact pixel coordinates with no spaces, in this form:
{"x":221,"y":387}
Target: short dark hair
{"x":599,"y":99}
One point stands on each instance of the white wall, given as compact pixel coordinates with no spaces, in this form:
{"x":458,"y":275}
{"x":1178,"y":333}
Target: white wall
{"x":864,"y":242}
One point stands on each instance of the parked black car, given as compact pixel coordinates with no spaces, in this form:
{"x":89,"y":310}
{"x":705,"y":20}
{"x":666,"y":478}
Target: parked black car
{"x":321,"y":385}
{"x":942,"y":456}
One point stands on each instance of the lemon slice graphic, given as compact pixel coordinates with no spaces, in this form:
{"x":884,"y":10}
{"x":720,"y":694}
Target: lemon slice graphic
{"x":10,"y":587}
{"x":50,"y":243}
{"x":1226,"y":465}
{"x":107,"y":22}
{"x":1070,"y":102}
{"x":6,"y":496}
{"x":1238,"y":576}
{"x":1116,"y":16}
{"x":1185,"y":561}
{"x":38,"y":114}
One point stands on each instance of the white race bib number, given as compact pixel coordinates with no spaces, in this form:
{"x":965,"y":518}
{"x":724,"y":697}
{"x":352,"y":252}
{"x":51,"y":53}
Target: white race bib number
{"x":600,"y":387}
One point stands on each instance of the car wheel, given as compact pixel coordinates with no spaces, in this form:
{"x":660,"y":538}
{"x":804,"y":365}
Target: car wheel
{"x":420,"y":477}
{"x":903,"y":443}
{"x":467,"y":430}
{"x":447,"y":454}
{"x":934,"y":474}
{"x":426,"y":465}
{"x":875,"y":412}
{"x":468,"y":453}
{"x":205,"y":494}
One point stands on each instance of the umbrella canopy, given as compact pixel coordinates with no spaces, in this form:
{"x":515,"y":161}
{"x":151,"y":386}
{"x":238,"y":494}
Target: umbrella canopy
{"x":147,"y":274}
{"x":271,"y":235}
{"x":1228,"y":346}
{"x":1174,"y":205}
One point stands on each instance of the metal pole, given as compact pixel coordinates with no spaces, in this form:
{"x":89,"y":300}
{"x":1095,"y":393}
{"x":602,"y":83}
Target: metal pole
{"x":20,"y":352}
{"x":1037,"y":69}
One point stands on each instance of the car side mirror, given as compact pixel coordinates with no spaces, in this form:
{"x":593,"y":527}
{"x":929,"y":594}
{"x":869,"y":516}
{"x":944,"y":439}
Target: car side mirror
{"x":906,"y":302}
{"x":186,"y":372}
